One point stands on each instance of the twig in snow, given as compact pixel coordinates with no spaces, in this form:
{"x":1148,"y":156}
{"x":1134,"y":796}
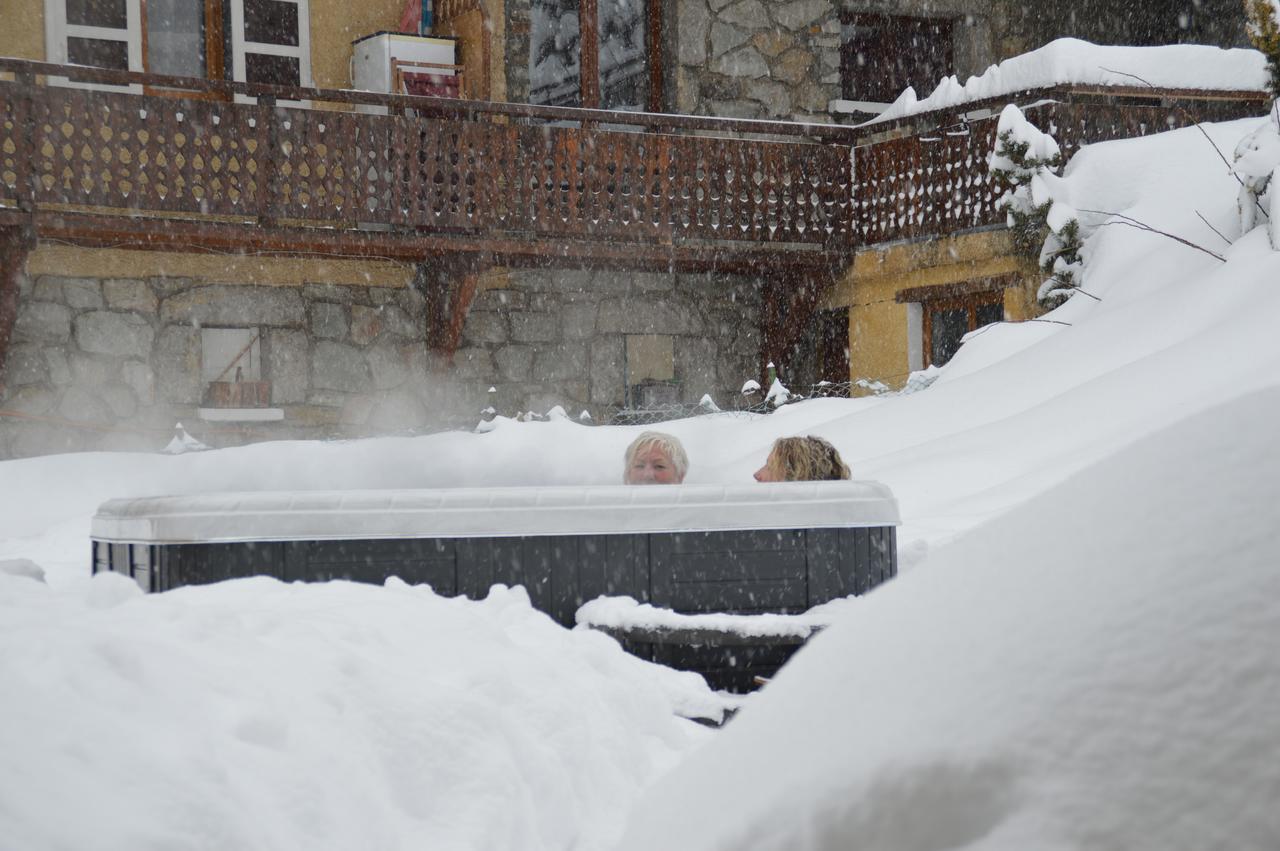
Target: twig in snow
{"x":1122,"y":219}
{"x":1212,"y":228}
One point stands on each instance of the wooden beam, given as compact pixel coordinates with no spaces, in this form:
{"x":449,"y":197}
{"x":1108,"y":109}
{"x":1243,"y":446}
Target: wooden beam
{"x":520,"y":250}
{"x":450,"y":286}
{"x":654,"y":48}
{"x":15,"y":245}
{"x":790,"y":301}
{"x":589,"y":52}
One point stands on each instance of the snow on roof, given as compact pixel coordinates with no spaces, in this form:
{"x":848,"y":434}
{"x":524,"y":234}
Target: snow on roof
{"x":1071,"y":61}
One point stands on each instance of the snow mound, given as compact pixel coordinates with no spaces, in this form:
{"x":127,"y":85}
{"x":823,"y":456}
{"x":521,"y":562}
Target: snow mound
{"x":1096,"y":669}
{"x":1071,"y":61}
{"x":258,"y":715}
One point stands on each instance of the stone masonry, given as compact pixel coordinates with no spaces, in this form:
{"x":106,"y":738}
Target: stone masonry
{"x":559,"y":337}
{"x":114,"y":363}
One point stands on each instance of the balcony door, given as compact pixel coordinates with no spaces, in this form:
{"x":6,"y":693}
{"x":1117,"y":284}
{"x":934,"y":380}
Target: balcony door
{"x":256,"y":41}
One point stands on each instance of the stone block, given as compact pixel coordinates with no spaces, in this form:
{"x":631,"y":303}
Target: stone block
{"x":288,"y":357}
{"x":534,"y":327}
{"x":412,"y":301}
{"x":337,"y":293}
{"x":370,"y":323}
{"x":32,"y":399}
{"x":389,"y":365}
{"x":792,"y":66}
{"x":811,"y":97}
{"x":725,"y":37}
{"x":166,"y":285}
{"x":26,"y":364}
{"x":801,"y":13}
{"x":772,"y":42}
{"x":745,"y":63}
{"x":139,"y":378}
{"x":499,"y":300}
{"x":578,"y":320}
{"x":515,"y":363}
{"x":484,"y":326}
{"x":745,"y":13}
{"x":608,"y":365}
{"x":328,"y":320}
{"x":356,"y":409}
{"x":717,"y":5}
{"x":736,"y":109}
{"x":119,"y":399}
{"x":42,"y":322}
{"x":93,"y":370}
{"x":692,"y":20}
{"x":235,"y":306}
{"x":379,"y":296}
{"x":76,"y":293}
{"x":688,"y":91}
{"x":129,"y":294}
{"x":177,"y":363}
{"x":646,"y":316}
{"x":59,"y":368}
{"x":776,"y":97}
{"x":118,"y":334}
{"x":473,"y":363}
{"x":81,"y":406}
{"x":397,"y":413}
{"x":337,"y":366}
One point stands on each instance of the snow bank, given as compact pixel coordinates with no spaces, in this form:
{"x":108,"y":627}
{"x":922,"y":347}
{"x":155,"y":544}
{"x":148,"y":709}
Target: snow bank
{"x":254,"y":714}
{"x":1071,"y":61}
{"x":1096,"y":669}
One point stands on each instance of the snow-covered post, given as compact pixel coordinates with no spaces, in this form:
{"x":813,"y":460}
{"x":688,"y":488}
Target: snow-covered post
{"x":1043,"y":226}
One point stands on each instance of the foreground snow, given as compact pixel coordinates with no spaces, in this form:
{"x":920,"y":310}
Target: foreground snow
{"x":1080,"y":652}
{"x":255,"y":714}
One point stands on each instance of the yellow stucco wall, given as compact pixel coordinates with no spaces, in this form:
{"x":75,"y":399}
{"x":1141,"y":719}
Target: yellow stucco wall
{"x":337,"y":23}
{"x":22,"y":29}
{"x":878,"y":332}
{"x":279,"y":271}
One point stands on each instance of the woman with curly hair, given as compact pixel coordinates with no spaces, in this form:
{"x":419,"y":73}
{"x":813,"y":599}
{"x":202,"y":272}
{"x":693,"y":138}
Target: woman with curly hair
{"x":802,"y":459}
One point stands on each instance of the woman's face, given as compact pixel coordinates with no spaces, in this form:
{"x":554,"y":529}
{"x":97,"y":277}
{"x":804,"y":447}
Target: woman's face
{"x":652,"y":467}
{"x":769,"y":472}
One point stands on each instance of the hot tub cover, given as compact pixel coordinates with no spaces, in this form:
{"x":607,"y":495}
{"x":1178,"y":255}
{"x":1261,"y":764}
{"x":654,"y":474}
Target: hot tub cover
{"x":493,"y":512}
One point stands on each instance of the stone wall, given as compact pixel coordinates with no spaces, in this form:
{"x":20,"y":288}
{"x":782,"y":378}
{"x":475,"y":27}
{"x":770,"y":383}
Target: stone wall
{"x":754,"y":59}
{"x":113,"y":363}
{"x":560,"y":337}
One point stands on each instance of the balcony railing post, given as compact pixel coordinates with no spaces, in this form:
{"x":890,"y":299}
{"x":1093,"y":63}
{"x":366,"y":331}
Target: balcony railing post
{"x":268,"y":206}
{"x":24,"y":140}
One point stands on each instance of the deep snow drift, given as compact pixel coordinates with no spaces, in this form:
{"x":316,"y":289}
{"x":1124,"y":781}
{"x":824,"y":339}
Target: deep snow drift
{"x":1080,"y":651}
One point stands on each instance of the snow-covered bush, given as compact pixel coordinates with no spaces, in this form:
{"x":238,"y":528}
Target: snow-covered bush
{"x":1257,"y":157}
{"x":1042,"y":225}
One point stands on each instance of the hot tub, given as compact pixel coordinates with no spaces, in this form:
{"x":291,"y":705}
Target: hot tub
{"x":746,"y":548}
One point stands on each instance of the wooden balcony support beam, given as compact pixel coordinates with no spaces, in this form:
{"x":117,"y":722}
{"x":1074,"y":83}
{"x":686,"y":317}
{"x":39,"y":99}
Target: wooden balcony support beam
{"x":15,"y":245}
{"x":789,"y":303}
{"x":450,"y":286}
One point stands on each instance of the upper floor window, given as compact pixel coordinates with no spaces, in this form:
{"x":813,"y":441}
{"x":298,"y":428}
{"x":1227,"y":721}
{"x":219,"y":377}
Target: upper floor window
{"x":256,"y":41}
{"x":881,"y":55}
{"x":623,"y":58}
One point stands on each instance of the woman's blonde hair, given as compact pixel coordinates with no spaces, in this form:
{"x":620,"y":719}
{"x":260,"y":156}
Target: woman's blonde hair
{"x":668,"y":443}
{"x":805,"y":459}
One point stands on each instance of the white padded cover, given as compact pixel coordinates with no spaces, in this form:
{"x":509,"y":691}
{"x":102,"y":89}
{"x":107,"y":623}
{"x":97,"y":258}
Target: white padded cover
{"x":492,"y":512}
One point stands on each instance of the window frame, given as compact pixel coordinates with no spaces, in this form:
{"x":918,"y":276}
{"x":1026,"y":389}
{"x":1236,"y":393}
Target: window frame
{"x":58,"y":31}
{"x":969,"y":303}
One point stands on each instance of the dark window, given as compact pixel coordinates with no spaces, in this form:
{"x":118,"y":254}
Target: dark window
{"x":947,"y":320}
{"x":271,"y":22}
{"x":833,"y":345}
{"x":98,"y":52}
{"x":883,"y":54}
{"x":624,"y":73}
{"x":622,"y":47}
{"x":98,"y":13}
{"x":280,"y":70}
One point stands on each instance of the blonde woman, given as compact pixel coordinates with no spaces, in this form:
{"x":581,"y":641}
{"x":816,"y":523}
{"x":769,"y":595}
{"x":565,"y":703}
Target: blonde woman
{"x":802,"y":459}
{"x":655,"y":458}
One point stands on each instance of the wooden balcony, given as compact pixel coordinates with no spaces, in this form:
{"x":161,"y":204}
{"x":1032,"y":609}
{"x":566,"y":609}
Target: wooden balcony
{"x":183,"y":164}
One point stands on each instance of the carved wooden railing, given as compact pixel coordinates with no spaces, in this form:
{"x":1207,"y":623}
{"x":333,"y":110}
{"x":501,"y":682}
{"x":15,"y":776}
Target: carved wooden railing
{"x":935,"y":181}
{"x":523,"y":177}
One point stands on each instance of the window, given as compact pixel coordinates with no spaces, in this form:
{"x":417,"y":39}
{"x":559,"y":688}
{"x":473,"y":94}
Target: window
{"x":947,"y":320}
{"x":256,"y":41}
{"x":231,"y":368}
{"x":624,"y":29}
{"x":881,"y":55}
{"x":651,"y":371}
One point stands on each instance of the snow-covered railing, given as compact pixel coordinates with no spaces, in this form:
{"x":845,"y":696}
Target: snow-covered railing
{"x":932,"y":178}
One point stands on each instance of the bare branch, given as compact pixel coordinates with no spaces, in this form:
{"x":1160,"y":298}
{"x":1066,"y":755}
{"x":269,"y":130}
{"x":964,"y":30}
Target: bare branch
{"x":1212,"y":228}
{"x":1129,"y":221}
